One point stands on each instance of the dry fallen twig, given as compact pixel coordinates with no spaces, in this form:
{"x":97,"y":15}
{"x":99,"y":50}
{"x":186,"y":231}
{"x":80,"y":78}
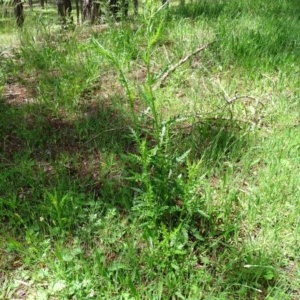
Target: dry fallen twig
{"x":164,"y":77}
{"x":231,"y":100}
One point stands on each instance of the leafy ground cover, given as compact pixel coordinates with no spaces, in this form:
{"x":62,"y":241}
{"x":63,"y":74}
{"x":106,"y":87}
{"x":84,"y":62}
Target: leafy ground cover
{"x":123,"y":180}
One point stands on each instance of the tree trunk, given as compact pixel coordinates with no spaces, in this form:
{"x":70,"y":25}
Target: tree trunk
{"x":19,"y":12}
{"x":119,"y":8}
{"x":64,"y":8}
{"x":86,"y":10}
{"x":136,"y":6}
{"x":90,"y":11}
{"x":77,"y":11}
{"x":95,"y":12}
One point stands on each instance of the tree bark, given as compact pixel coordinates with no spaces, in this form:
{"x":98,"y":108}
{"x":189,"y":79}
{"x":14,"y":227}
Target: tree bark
{"x":118,"y":8}
{"x":19,"y":12}
{"x":86,"y":10}
{"x":77,"y":11}
{"x":64,"y":8}
{"x":90,"y":11}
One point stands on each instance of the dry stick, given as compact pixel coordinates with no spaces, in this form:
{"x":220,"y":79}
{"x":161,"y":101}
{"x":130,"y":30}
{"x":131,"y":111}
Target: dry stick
{"x":164,"y":77}
{"x":236,"y":97}
{"x":232,"y":100}
{"x":11,"y":94}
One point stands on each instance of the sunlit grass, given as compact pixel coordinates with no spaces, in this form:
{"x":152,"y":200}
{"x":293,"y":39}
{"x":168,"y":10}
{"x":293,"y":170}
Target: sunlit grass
{"x":114,"y":188}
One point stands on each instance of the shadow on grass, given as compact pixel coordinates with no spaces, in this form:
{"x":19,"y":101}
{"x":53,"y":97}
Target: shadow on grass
{"x":87,"y":155}
{"x":41,"y":153}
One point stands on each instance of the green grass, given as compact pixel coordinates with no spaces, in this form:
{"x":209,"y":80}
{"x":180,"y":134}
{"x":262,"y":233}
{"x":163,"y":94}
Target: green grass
{"x":112,"y":188}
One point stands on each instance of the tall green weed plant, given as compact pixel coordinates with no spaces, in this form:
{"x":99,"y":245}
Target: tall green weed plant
{"x":164,"y":181}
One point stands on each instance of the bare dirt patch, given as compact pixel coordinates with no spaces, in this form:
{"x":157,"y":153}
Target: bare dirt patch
{"x":16,"y":94}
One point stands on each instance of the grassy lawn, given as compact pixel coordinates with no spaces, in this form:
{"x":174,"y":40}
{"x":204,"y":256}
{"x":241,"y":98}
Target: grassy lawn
{"x":132,"y":167}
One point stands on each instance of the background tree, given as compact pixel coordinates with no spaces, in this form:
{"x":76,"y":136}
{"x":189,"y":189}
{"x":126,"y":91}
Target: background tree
{"x":19,"y":12}
{"x":90,"y":10}
{"x":64,"y":10}
{"x":42,"y":2}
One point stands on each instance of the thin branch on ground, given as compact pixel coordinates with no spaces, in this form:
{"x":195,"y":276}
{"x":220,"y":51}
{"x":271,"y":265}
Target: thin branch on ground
{"x":164,"y":77}
{"x":202,"y":121}
{"x":231,"y":100}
